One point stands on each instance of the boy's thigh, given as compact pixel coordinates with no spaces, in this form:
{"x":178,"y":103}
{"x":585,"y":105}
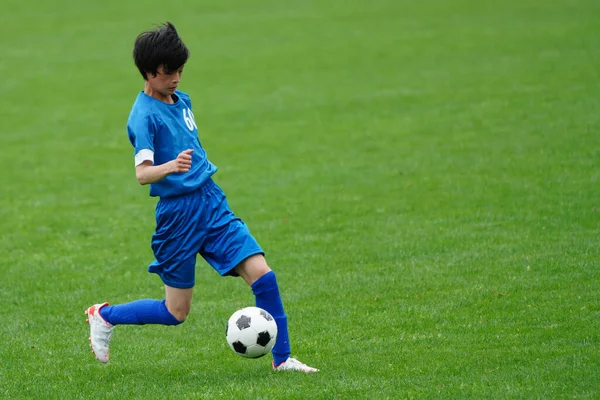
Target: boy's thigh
{"x":176,"y":242}
{"x":228,"y":240}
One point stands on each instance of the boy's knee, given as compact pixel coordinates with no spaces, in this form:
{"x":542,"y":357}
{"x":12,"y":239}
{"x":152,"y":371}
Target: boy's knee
{"x":253,"y":268}
{"x":180,"y":313}
{"x":180,"y":318}
{"x":178,"y":303}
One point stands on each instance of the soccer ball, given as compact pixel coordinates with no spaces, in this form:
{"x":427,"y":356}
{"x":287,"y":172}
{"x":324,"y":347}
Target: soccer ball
{"x":251,"y":332}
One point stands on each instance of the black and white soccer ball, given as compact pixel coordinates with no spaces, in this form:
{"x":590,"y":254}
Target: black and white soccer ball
{"x":251,"y":332}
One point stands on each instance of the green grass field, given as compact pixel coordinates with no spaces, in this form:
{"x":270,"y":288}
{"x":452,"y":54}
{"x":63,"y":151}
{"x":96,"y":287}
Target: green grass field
{"x":424,"y":176}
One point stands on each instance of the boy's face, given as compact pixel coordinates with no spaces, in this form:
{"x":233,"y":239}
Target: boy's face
{"x":164,"y":83}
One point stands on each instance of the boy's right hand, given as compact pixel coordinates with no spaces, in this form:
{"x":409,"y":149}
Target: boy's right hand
{"x":183,"y":162}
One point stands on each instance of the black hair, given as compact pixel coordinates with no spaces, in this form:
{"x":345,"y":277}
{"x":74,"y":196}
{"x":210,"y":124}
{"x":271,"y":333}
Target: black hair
{"x":161,"y":46}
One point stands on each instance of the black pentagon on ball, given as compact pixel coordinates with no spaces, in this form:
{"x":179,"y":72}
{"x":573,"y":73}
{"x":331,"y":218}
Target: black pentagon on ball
{"x":266,"y":315}
{"x":243,"y":322}
{"x":239,"y":347}
{"x":263,"y":338}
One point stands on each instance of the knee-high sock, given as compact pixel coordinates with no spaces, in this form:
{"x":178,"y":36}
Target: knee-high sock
{"x":139,"y":312}
{"x":267,"y":295}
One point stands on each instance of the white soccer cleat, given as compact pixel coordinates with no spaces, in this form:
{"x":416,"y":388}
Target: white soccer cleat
{"x":100,"y":332}
{"x":291,"y":364}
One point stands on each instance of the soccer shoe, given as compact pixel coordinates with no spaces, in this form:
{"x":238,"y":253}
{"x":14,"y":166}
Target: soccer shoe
{"x":100,"y":332}
{"x":291,"y":364}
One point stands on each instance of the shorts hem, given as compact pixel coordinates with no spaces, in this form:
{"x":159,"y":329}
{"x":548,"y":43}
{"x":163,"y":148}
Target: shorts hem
{"x":230,"y":270}
{"x":176,"y":285}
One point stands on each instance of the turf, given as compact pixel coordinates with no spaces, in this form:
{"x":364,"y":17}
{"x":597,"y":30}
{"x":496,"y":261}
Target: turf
{"x":423,"y":175}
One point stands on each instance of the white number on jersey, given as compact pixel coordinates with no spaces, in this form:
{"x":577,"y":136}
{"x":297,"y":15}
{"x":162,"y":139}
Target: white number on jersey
{"x":188,"y":117}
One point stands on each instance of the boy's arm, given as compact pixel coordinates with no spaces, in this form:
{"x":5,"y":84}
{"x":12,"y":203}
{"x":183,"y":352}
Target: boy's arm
{"x":147,"y":173}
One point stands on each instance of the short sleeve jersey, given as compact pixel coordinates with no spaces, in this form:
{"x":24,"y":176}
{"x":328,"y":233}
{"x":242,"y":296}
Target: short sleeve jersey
{"x":159,"y":132}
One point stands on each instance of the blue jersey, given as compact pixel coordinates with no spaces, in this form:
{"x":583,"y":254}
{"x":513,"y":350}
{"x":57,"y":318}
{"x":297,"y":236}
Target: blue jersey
{"x":159,"y":132}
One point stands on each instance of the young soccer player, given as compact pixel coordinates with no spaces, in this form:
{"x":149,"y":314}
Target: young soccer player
{"x":192,"y":214}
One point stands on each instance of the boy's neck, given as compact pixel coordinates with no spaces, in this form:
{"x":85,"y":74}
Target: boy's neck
{"x":157,"y":95}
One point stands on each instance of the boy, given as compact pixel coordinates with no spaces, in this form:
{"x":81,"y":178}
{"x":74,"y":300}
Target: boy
{"x":192,"y":214}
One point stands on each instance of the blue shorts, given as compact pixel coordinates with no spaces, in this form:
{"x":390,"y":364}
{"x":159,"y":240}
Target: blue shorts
{"x":198,"y":223}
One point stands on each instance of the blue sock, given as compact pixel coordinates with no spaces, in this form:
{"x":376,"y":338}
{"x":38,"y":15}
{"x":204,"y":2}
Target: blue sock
{"x":139,"y":312}
{"x":267,"y":295}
